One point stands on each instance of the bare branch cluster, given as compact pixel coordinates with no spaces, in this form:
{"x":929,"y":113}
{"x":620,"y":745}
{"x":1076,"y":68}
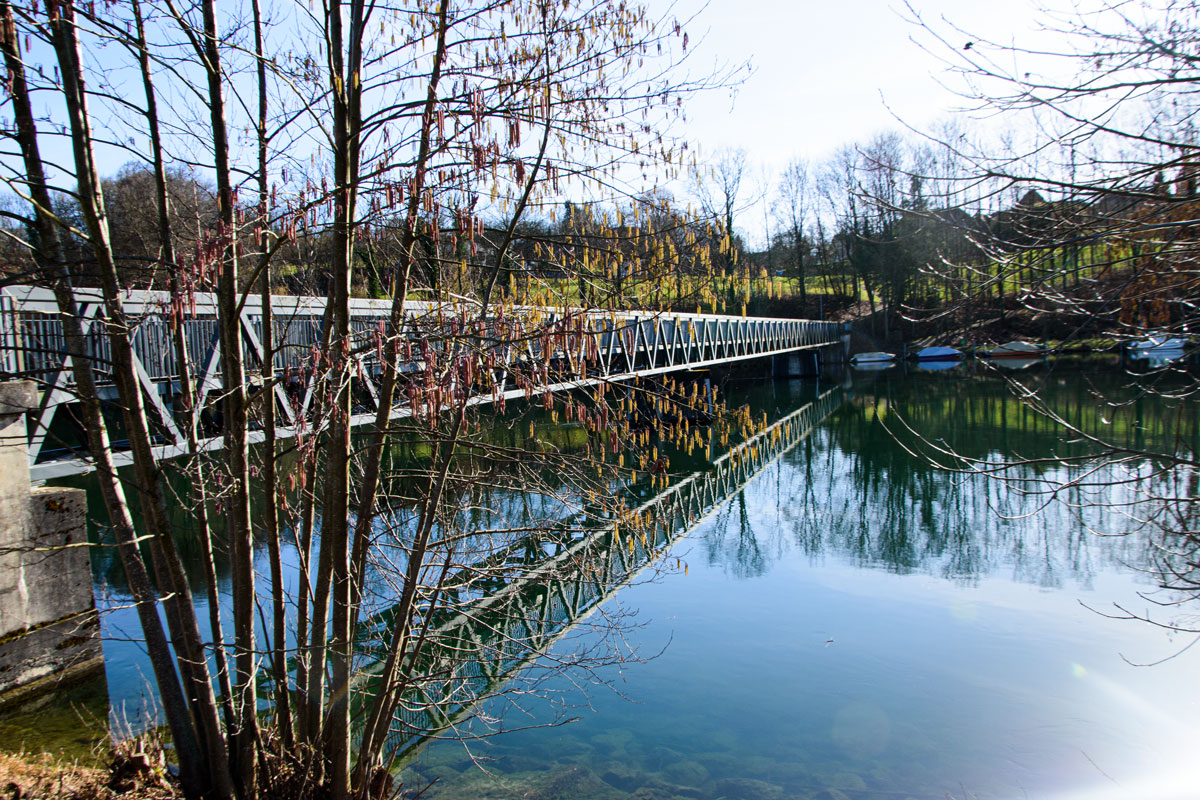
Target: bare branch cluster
{"x":478,"y":156}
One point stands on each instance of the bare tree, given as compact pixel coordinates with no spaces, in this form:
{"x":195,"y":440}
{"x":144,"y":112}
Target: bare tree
{"x":389,"y":141}
{"x":721,"y":198}
{"x":1096,"y":236}
{"x":794,"y":207}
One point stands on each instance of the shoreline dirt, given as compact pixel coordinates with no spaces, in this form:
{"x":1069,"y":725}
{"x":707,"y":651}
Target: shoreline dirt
{"x":133,"y":771}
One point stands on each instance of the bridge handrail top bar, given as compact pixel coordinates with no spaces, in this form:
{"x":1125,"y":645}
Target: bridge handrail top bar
{"x":37,"y":299}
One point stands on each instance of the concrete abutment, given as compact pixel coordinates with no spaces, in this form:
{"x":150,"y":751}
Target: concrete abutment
{"x":49,"y":628}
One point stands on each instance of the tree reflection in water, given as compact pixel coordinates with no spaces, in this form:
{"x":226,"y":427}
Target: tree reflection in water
{"x":849,"y":490}
{"x":851,"y":588}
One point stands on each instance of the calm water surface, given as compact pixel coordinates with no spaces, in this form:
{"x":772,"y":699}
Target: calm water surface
{"x":853,"y":624}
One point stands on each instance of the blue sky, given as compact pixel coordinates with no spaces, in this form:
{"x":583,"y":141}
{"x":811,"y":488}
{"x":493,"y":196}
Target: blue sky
{"x":830,"y":73}
{"x":826,"y":73}
{"x":821,"y":74}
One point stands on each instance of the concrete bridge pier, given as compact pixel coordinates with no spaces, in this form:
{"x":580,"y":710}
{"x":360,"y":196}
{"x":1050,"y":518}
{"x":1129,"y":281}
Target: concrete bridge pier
{"x":49,"y":628}
{"x":800,"y":364}
{"x":809,"y":363}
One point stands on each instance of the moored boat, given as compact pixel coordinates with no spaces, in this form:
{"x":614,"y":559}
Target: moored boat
{"x":1154,"y":346}
{"x":1017,"y":349}
{"x":1015,"y":363}
{"x":939,"y":354}
{"x":872,"y":366}
{"x":1157,"y":351}
{"x":936,"y":365}
{"x":871,"y":358}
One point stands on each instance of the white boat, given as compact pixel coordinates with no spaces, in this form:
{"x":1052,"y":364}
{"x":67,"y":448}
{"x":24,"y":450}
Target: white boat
{"x":1157,"y":351}
{"x":939,"y":354}
{"x":1156,"y":346}
{"x":1016,"y":349}
{"x":1160,"y":358}
{"x":873,"y":366}
{"x":872,"y":358}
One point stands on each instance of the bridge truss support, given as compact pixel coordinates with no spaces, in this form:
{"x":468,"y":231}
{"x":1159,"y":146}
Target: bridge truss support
{"x":569,"y":347}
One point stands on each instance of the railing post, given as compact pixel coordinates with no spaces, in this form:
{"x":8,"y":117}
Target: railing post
{"x":10,"y":351}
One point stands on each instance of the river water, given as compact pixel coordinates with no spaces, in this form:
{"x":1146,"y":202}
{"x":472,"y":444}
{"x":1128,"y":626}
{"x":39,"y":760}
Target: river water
{"x":853,"y":623}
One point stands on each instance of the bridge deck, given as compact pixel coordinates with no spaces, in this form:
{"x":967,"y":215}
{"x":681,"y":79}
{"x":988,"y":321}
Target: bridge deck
{"x":569,"y":347}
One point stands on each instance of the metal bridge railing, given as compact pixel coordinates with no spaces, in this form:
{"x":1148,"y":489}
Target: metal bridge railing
{"x":584,"y":346}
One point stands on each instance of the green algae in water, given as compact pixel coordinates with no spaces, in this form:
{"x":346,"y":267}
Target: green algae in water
{"x":71,"y":722}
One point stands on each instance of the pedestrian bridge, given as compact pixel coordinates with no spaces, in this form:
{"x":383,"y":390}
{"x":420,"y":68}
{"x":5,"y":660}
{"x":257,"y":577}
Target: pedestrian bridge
{"x":525,"y":349}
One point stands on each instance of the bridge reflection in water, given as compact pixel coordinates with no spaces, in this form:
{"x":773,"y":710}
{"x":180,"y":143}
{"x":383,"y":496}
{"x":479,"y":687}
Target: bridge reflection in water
{"x":472,"y":654}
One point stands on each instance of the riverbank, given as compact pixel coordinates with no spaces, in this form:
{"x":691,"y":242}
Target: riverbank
{"x":980,"y":329}
{"x":132,"y":771}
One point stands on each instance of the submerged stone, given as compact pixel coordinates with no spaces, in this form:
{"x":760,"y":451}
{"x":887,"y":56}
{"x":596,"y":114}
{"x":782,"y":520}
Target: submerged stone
{"x":747,"y":789}
{"x":621,"y":776}
{"x":655,"y":789}
{"x":518,"y":763}
{"x":660,"y":757}
{"x":573,"y":783}
{"x":688,"y":773}
{"x":720,"y":765}
{"x":830,"y":794}
{"x":846,"y":781}
{"x":613,"y":743}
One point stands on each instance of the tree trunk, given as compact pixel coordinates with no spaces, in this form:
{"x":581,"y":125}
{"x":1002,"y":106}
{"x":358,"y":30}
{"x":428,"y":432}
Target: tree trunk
{"x":345,"y":66}
{"x":180,"y":613}
{"x":195,"y":483}
{"x":236,"y":419}
{"x":279,"y":671}
{"x":47,"y":252}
